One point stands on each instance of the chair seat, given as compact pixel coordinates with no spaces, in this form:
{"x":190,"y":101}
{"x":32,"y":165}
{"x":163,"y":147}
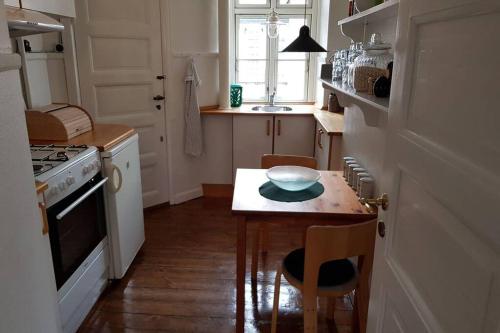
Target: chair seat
{"x":333,"y":274}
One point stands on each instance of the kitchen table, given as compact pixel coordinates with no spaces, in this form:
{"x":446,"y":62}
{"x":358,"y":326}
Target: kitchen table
{"x":338,"y":205}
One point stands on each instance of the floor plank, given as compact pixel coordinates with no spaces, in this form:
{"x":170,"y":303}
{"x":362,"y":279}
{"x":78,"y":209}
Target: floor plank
{"x":183,"y":279}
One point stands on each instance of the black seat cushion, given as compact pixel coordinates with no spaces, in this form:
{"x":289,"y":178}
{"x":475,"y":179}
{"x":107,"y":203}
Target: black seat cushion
{"x":331,"y":273}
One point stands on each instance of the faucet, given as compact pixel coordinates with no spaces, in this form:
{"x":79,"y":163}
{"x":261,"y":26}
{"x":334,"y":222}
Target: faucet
{"x":271,"y":98}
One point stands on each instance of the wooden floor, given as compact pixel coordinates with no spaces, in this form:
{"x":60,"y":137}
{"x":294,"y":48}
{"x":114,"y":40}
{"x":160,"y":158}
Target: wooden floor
{"x":183,"y":279}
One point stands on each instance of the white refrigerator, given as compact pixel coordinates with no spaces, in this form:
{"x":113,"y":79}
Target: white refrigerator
{"x":125,"y":219}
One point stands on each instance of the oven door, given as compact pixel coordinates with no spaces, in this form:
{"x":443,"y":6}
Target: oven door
{"x":76,"y":226}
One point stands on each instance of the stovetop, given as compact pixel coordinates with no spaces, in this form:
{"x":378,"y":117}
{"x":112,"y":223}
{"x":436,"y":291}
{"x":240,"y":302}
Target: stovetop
{"x":47,"y":157}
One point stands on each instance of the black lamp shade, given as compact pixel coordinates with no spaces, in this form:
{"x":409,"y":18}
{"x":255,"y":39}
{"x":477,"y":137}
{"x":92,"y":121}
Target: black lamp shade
{"x":304,"y":43}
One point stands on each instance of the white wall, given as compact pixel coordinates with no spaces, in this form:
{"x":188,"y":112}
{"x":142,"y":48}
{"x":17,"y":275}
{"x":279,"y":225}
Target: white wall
{"x":365,"y":143}
{"x":28,"y":292}
{"x":330,"y":12}
{"x":192,"y":28}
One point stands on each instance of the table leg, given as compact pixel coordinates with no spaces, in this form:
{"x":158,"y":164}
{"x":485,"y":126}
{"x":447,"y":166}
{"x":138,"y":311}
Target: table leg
{"x":240,"y":274}
{"x":361,"y":299}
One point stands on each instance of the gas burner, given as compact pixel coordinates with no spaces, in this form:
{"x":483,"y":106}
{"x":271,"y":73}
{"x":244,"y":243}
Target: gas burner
{"x":46,"y":157}
{"x":38,"y":169}
{"x":61,"y":156}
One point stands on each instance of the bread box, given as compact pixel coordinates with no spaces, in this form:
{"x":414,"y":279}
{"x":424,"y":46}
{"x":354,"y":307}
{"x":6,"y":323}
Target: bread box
{"x":58,"y":122}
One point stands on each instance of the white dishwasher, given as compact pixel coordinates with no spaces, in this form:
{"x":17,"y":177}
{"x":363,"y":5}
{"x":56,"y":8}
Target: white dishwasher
{"x":125,"y":219}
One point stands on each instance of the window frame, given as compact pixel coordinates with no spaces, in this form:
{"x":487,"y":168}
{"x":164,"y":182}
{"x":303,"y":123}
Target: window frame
{"x":272,"y":65}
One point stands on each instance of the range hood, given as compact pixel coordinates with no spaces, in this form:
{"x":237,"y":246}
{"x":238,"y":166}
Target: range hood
{"x":23,"y":22}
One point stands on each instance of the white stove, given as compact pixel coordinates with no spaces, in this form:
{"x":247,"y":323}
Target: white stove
{"x":64,"y":168}
{"x":76,"y":217}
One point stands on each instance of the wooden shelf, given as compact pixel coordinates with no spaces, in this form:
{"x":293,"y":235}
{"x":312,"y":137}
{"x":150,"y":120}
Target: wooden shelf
{"x":371,"y":106}
{"x":354,"y":26}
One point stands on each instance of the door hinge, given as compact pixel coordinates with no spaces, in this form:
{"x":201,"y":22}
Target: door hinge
{"x":161,"y":138}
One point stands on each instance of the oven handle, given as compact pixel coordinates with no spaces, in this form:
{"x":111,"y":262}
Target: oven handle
{"x":80,"y":199}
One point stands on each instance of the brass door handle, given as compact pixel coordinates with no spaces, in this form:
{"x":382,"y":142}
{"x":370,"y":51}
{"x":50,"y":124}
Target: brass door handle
{"x":382,"y":201}
{"x":279,"y":127}
{"x":45,"y":220}
{"x":320,"y":133}
{"x":268,"y":129}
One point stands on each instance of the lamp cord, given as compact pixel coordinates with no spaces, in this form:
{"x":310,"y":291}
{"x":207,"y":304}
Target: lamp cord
{"x":305,"y":11}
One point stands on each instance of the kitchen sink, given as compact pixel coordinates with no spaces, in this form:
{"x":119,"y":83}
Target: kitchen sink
{"x":271,"y":108}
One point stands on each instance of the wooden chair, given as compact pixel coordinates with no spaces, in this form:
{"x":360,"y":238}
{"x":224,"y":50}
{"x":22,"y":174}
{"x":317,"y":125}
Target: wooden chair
{"x":261,"y":239}
{"x":322,"y":269}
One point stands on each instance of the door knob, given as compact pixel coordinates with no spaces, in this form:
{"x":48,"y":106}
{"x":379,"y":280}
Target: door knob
{"x":158,"y":98}
{"x":382,"y":201}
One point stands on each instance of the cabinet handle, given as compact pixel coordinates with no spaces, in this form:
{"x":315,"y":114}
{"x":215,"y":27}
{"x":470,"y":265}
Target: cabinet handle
{"x":45,"y":220}
{"x":279,"y":127}
{"x":320,"y":133}
{"x":268,"y":130}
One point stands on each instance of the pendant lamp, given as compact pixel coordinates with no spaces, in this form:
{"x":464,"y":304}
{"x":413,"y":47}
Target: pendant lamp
{"x":304,"y":43}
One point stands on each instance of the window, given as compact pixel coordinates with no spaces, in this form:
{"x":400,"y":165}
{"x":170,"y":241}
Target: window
{"x":260,"y":68}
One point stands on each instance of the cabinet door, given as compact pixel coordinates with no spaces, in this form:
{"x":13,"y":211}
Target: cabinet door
{"x":57,"y":7}
{"x":294,"y":135}
{"x":322,"y":148}
{"x":252,"y":138}
{"x":13,"y":3}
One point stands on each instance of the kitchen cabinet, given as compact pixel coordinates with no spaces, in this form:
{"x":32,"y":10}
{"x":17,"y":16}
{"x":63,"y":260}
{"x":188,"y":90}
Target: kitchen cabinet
{"x":294,"y":135}
{"x":256,"y":135}
{"x":13,"y":3}
{"x":252,"y":138}
{"x":328,"y":149}
{"x":57,"y":7}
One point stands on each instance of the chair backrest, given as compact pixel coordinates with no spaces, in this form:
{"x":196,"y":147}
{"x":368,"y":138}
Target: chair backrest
{"x":269,"y":161}
{"x":326,"y":243}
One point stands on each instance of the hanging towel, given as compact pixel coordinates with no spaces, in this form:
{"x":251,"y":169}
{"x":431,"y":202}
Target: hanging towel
{"x":193,"y":143}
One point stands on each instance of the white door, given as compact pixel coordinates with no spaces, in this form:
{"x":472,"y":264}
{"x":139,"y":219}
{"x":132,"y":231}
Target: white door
{"x":294,"y":135}
{"x":252,"y":138}
{"x":438,"y":267}
{"x":119,"y":59}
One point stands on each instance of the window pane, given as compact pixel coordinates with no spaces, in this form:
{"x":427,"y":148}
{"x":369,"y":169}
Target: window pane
{"x":252,"y":76}
{"x":292,"y":80}
{"x":294,"y":2}
{"x":252,"y":38}
{"x":288,"y":33}
{"x":252,"y":2}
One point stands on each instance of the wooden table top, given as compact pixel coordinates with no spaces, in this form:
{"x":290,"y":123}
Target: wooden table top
{"x":338,"y":200}
{"x":103,"y":136}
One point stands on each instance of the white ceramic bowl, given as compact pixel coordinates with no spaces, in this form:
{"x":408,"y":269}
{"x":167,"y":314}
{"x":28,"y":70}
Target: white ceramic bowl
{"x":293,"y":178}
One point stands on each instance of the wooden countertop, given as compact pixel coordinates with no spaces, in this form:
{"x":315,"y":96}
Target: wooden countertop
{"x":333,"y":123}
{"x":40,"y":186}
{"x":103,"y":136}
{"x":246,"y":109}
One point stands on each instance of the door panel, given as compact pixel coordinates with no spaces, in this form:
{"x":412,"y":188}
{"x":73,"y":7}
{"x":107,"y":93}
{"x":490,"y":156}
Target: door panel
{"x":252,"y":138}
{"x":294,"y":135}
{"x":438,"y":268}
{"x":58,"y":7}
{"x":119,"y":57}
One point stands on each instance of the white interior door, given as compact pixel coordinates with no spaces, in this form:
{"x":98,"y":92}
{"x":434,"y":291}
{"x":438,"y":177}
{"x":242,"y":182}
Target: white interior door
{"x":119,"y":59}
{"x":437,"y":269}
